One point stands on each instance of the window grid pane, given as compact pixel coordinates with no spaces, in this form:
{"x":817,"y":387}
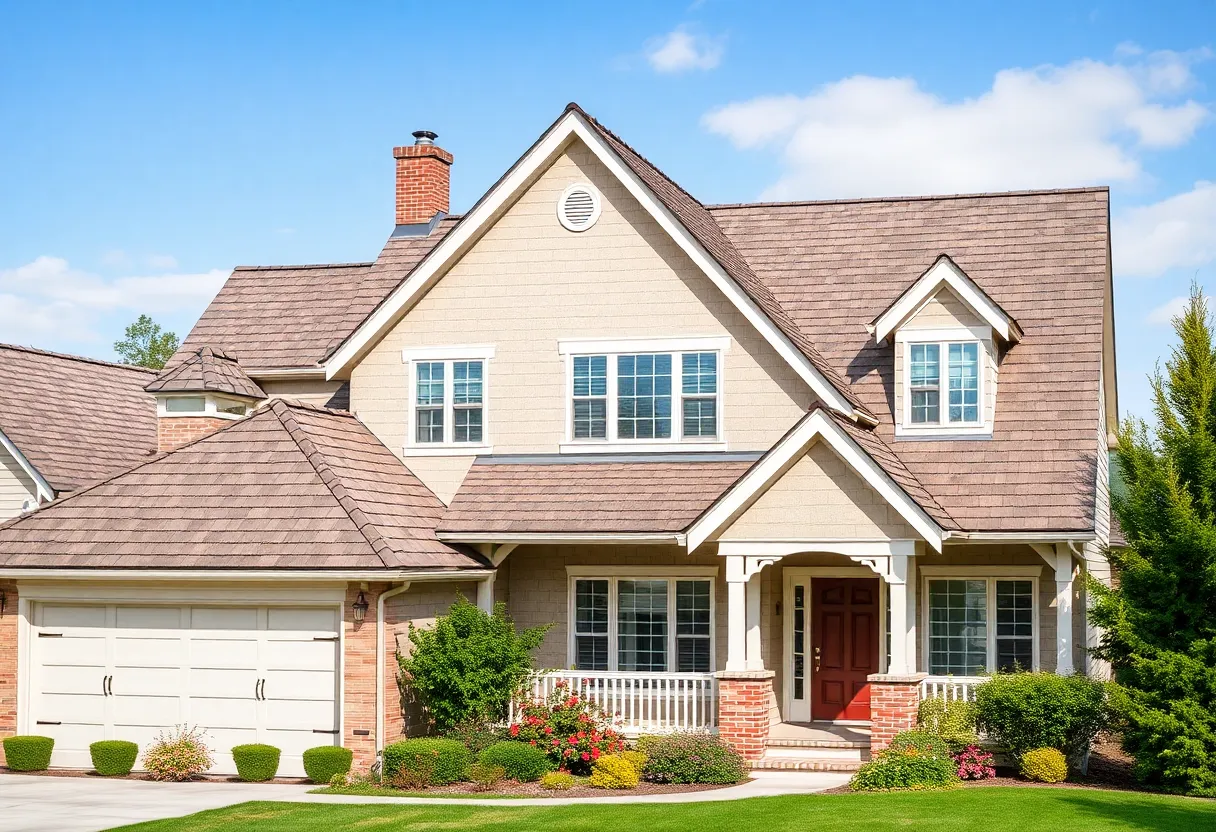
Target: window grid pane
{"x":1015,"y":625}
{"x":958,"y":627}
{"x":698,"y":377}
{"x":428,"y":396}
{"x":924,"y":375}
{"x":590,"y":411}
{"x":963,"y":367}
{"x":466,"y":424}
{"x":591,"y":625}
{"x":692,"y":626}
{"x":467,"y":382}
{"x":701,"y":417}
{"x":643,"y":396}
{"x":642,"y":625}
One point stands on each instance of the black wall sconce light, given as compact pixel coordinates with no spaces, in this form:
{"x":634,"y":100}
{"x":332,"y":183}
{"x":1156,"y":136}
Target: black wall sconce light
{"x":359,"y":608}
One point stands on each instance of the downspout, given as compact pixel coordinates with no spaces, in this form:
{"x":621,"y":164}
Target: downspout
{"x":381,"y":657}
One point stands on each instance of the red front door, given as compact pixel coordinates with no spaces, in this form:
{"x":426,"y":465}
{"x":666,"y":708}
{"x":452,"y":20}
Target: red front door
{"x":844,"y":637}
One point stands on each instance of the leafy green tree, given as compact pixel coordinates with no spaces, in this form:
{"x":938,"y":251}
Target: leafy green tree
{"x":1160,"y":617}
{"x":144,"y":345}
{"x":467,"y":667}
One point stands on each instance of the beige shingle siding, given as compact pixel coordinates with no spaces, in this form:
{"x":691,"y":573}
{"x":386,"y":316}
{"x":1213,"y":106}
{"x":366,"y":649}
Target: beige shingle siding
{"x":529,"y":282}
{"x":442,"y":474}
{"x":819,"y":497}
{"x":16,"y":486}
{"x":314,"y":392}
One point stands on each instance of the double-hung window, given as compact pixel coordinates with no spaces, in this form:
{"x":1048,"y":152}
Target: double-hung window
{"x":643,"y":624}
{"x":980,"y":624}
{"x":447,"y":398}
{"x":943,"y":384}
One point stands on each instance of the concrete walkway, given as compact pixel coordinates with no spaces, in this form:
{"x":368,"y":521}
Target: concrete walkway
{"x":30,"y":803}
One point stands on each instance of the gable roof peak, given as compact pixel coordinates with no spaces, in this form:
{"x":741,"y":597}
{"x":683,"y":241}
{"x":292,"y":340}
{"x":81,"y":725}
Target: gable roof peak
{"x":207,"y":370}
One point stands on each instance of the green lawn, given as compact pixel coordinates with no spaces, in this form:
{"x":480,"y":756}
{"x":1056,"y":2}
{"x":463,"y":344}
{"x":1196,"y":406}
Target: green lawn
{"x":994,"y":809}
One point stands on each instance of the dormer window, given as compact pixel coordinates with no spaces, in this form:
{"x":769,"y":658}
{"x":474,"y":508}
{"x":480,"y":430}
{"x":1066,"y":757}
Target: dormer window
{"x":958,"y":377}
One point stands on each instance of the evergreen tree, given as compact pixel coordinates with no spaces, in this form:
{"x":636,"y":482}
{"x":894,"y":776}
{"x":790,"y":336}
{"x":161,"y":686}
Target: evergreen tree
{"x":144,"y":345}
{"x":1160,"y":617}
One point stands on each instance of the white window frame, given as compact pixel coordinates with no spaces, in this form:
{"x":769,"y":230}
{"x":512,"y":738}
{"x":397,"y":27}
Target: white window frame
{"x":943,"y":338}
{"x":991,"y":575}
{"x":676,"y":347}
{"x":211,"y":406}
{"x":447,"y":356}
{"x":613,"y":575}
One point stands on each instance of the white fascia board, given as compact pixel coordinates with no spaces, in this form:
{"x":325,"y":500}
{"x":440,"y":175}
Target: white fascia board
{"x":51,"y":573}
{"x":1022,"y":537}
{"x":45,"y":492}
{"x":765,"y":473}
{"x":559,"y":538}
{"x":944,"y":271}
{"x":547,"y":149}
{"x":287,"y":373}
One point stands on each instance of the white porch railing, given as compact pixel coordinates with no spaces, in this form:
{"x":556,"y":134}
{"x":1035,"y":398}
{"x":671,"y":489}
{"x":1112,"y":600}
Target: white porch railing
{"x":639,"y":703}
{"x":951,"y":687}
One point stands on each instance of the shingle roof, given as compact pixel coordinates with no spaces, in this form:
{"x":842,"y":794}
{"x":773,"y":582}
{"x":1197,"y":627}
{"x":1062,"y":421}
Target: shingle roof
{"x":1041,"y":255}
{"x":75,"y":419}
{"x":293,"y":487}
{"x":580,"y":494}
{"x":208,"y":369}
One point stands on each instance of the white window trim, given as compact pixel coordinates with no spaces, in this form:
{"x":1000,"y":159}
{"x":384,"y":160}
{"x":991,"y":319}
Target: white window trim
{"x":990,"y":575}
{"x":614,"y":574}
{"x":210,"y":406}
{"x":568,"y":348}
{"x":447,"y":355}
{"x":945,"y":272}
{"x":904,"y":339}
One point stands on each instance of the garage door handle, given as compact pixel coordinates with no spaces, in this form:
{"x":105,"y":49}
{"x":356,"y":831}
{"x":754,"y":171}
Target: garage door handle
{"x":107,"y":686}
{"x":46,"y":722}
{"x":50,"y":635}
{"x":324,"y":638}
{"x":325,"y":731}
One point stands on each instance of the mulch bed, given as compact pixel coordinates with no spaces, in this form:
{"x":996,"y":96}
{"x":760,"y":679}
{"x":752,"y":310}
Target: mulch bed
{"x":202,"y":778}
{"x":510,"y":788}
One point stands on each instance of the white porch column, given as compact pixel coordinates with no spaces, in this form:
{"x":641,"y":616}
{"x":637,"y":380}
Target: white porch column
{"x":903,"y":616}
{"x":485,"y":595}
{"x":736,"y":616}
{"x":1064,"y":579}
{"x":755,"y":660}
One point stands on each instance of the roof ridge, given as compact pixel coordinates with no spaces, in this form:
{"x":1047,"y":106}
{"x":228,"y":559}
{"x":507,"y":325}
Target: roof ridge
{"x":298,"y":266}
{"x":909,"y":198}
{"x":316,"y":458}
{"x":635,"y":152}
{"x":70,"y":357}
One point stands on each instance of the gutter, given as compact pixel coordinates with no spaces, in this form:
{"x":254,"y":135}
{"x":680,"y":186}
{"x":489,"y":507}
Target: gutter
{"x":518,"y":538}
{"x":381,"y":657}
{"x":245,"y":575}
{"x":1021,"y":537}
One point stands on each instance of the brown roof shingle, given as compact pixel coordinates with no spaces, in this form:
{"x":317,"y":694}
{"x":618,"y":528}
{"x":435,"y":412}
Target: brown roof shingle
{"x":208,"y":369}
{"x":291,"y":487}
{"x":75,"y":419}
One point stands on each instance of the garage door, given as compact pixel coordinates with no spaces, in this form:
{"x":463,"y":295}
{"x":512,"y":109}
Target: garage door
{"x":243,"y":674}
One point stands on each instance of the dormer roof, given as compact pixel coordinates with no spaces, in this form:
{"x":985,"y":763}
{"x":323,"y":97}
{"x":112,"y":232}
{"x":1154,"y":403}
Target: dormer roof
{"x":207,"y":370}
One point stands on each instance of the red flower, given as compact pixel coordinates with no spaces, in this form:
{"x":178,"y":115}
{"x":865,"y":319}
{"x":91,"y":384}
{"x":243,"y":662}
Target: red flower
{"x":514,"y":730}
{"x":533,"y":742}
{"x":573,"y":740}
{"x":595,"y":753}
{"x":549,"y":729}
{"x":585,"y":756}
{"x":581,"y":734}
{"x":555,"y":741}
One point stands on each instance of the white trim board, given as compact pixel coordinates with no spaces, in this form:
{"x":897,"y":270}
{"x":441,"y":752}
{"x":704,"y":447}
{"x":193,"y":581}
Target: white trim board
{"x":945,"y":271}
{"x":44,"y":488}
{"x":772,"y":465}
{"x":570,"y":126}
{"x":233,"y":575}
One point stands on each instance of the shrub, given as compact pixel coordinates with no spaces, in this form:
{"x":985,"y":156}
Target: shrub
{"x":469,"y":665}
{"x":638,"y":758}
{"x":521,"y":761}
{"x":256,"y":762}
{"x":28,"y":753}
{"x":691,"y":758}
{"x":614,"y":772}
{"x":476,"y":734}
{"x":339,"y":781}
{"x":951,"y":719}
{"x":558,"y":781}
{"x":571,"y":730}
{"x":1045,"y":765}
{"x":325,"y":761}
{"x":113,"y":757}
{"x":178,"y":754}
{"x":922,"y":742}
{"x":1022,"y":711}
{"x":486,"y":777}
{"x":434,"y":762}
{"x":974,"y":763}
{"x":905,"y":768}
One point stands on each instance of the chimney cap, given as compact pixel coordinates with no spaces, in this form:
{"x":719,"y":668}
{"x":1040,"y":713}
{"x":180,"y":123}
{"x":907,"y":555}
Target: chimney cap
{"x":425,"y":137}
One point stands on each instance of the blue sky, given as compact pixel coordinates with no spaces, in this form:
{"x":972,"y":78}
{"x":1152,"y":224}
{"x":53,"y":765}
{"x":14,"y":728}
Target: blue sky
{"x":145,"y":149}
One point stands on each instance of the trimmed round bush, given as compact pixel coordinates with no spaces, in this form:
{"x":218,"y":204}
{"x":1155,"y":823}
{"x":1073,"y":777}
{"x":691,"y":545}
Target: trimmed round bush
{"x":324,"y":761}
{"x":922,"y":742}
{"x":691,"y":758}
{"x":1021,"y":711}
{"x":113,"y":758}
{"x":557,"y":781}
{"x":1045,"y":765}
{"x":441,"y":761}
{"x":638,"y":759}
{"x":613,"y":772}
{"x":521,"y":761}
{"x":28,"y":753}
{"x":255,"y":762}
{"x":905,"y":768}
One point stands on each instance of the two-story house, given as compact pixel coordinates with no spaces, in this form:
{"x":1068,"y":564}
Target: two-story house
{"x":773,"y":470}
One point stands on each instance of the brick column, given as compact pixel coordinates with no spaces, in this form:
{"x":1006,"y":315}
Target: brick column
{"x":8,"y":662}
{"x":175,"y":431}
{"x":359,"y":678}
{"x":743,"y":709}
{"x":894,"y":701}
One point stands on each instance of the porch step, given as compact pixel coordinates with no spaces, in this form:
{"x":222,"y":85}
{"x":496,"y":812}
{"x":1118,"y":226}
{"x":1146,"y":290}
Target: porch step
{"x":768,"y":763}
{"x":817,"y":749}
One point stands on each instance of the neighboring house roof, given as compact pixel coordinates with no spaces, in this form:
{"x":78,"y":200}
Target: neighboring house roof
{"x":291,"y":487}
{"x":75,"y":419}
{"x":589,"y":494}
{"x":208,"y":370}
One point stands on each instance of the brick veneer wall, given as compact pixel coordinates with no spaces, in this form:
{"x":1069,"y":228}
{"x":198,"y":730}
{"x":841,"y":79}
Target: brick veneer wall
{"x":359,"y":677}
{"x":175,"y":431}
{"x":8,"y":662}
{"x":424,"y":173}
{"x":894,"y":701}
{"x":743,"y":710}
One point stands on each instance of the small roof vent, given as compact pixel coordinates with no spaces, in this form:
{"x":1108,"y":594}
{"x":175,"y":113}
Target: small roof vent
{"x":579,"y":207}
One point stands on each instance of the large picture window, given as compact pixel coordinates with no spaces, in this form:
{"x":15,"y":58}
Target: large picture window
{"x":980,"y":624}
{"x":642,"y":624}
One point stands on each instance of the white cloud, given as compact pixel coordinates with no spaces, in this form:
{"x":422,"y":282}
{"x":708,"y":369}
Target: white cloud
{"x":681,"y":50}
{"x":1166,"y":312}
{"x":161,"y":261}
{"x":48,"y":298}
{"x":1083,"y":123}
{"x":1178,"y":232}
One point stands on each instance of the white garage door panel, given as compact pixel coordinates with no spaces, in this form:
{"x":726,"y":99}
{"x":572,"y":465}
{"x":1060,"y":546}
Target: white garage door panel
{"x":180,"y":664}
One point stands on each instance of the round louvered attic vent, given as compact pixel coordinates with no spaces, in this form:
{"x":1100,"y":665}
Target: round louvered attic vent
{"x":579,"y":207}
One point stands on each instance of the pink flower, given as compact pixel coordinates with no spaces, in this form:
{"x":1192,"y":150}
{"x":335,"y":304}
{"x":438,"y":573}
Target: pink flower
{"x":548,"y":729}
{"x":595,"y":754}
{"x":585,"y":756}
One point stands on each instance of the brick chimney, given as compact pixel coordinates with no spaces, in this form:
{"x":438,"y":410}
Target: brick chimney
{"x":424,"y":173}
